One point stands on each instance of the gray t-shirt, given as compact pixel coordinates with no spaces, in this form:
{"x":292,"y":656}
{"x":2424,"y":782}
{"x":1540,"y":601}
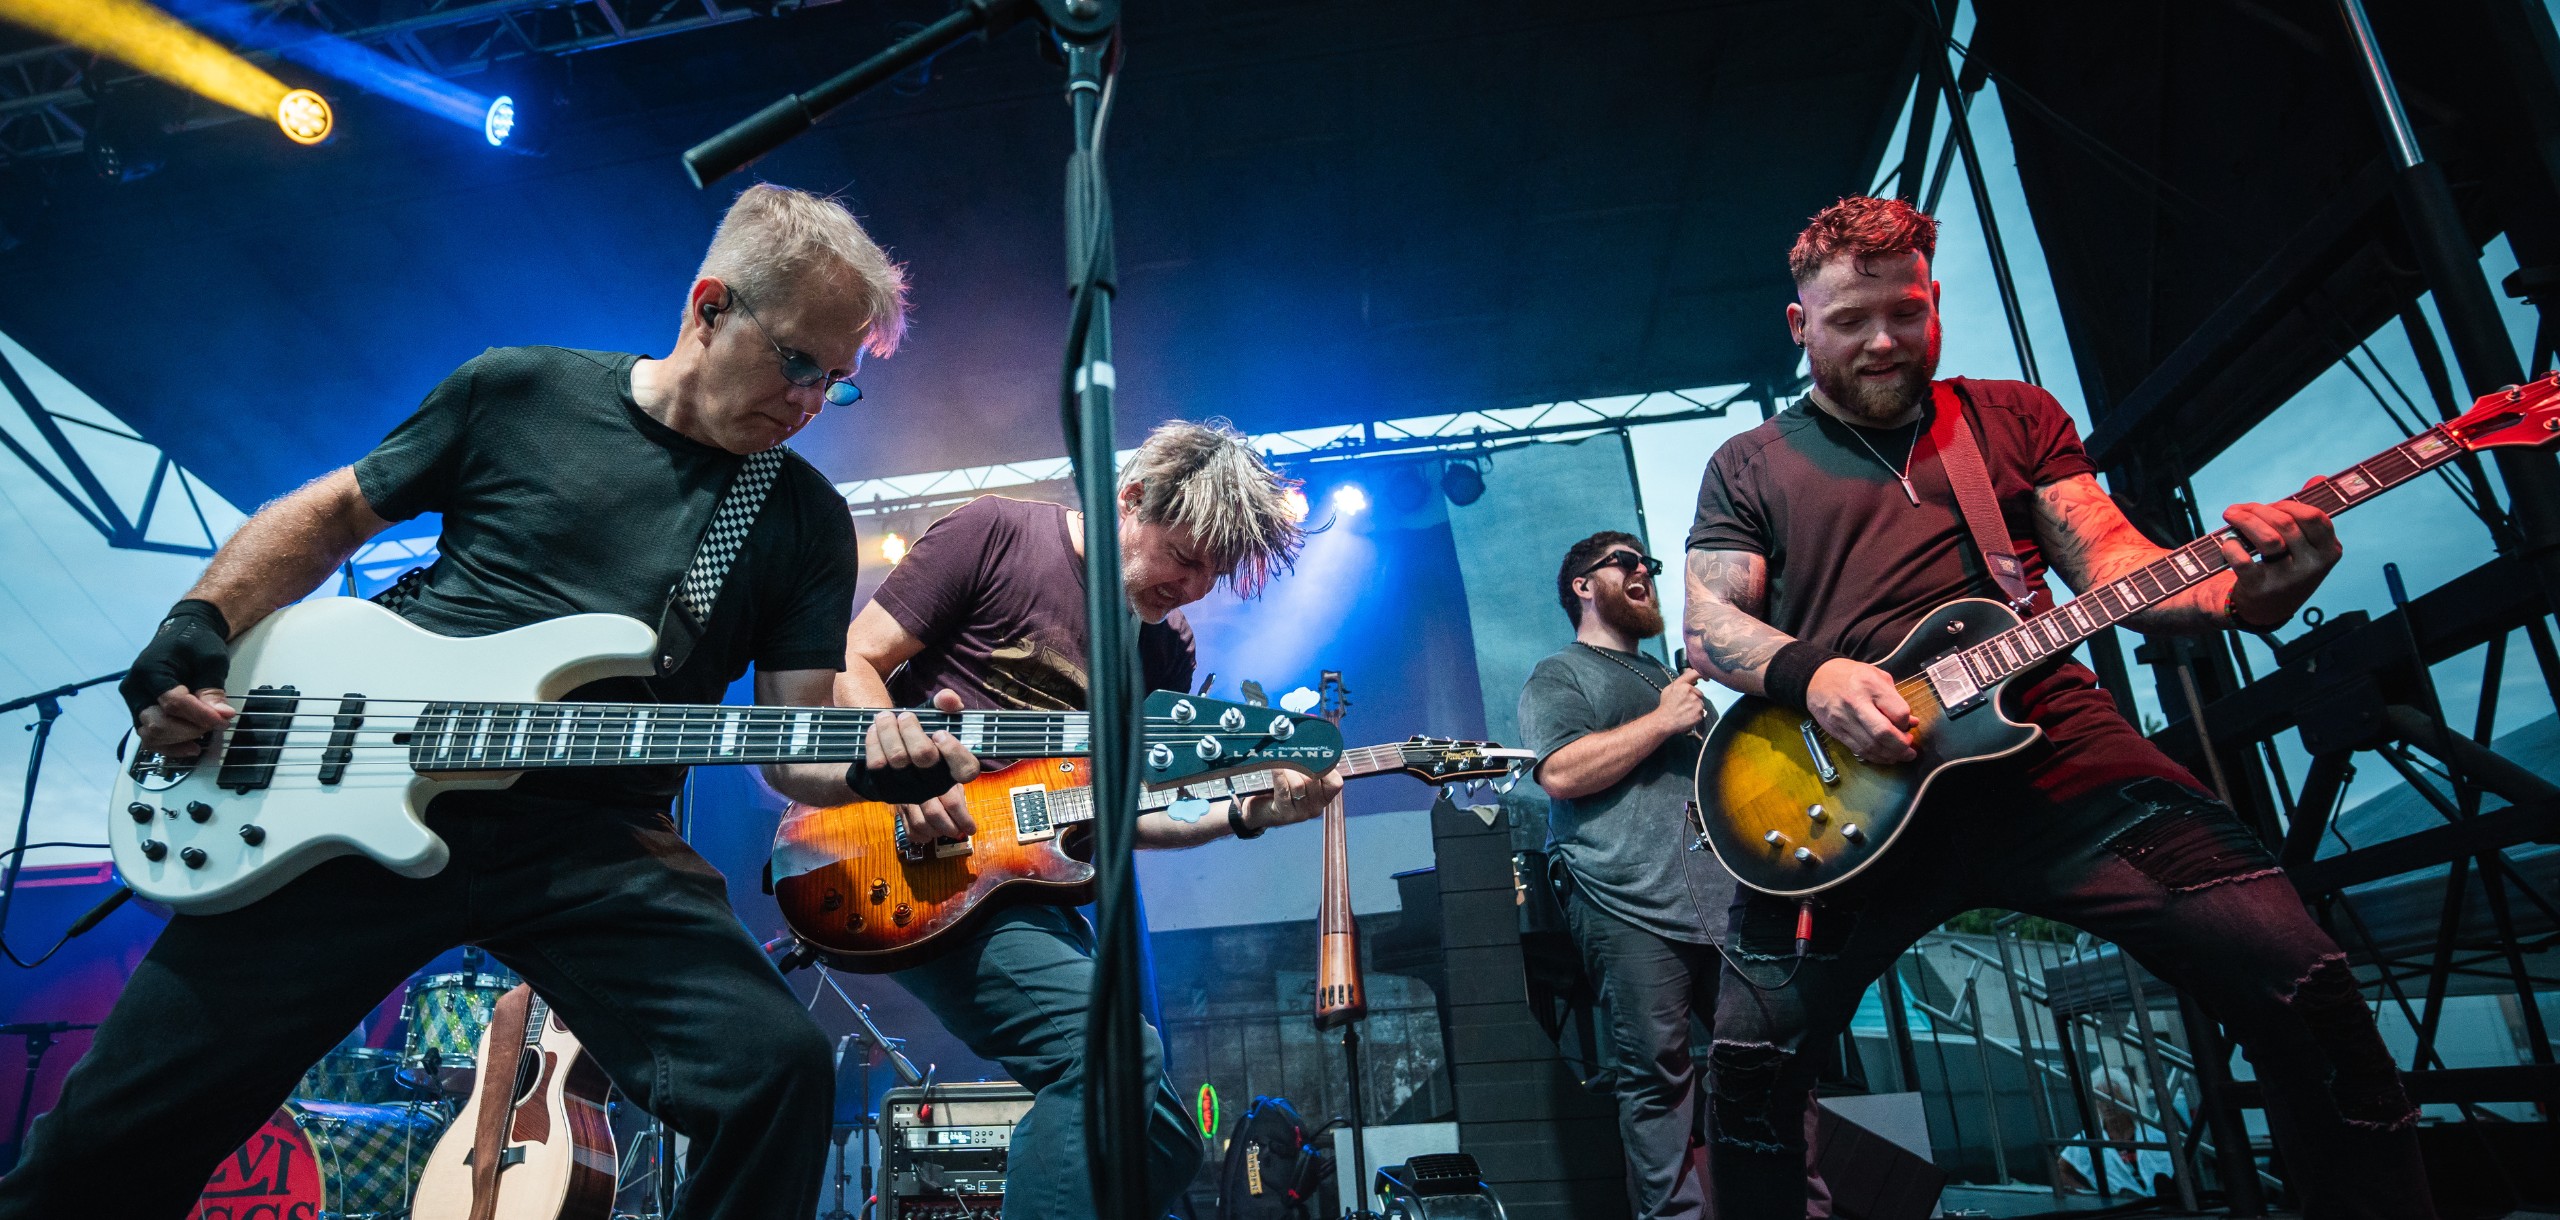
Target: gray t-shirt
{"x":1628,"y":844}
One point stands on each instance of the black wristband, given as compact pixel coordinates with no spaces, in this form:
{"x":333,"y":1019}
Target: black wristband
{"x":190,"y":648}
{"x":1791,"y":671}
{"x":1235,"y":821}
{"x":899,"y":785}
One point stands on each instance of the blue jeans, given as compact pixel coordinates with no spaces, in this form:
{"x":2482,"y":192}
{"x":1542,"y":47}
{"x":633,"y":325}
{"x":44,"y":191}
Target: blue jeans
{"x":1017,"y":993}
{"x":2172,"y":877}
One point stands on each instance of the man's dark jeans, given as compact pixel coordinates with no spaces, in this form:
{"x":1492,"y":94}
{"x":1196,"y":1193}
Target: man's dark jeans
{"x":2173,"y":878}
{"x":622,"y":928}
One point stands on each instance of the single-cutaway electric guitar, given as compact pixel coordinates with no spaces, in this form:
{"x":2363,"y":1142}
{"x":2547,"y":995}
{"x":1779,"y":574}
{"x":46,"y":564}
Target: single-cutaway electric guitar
{"x":553,"y":1144}
{"x":852,"y":886}
{"x":1790,"y":812}
{"x":334,"y":753}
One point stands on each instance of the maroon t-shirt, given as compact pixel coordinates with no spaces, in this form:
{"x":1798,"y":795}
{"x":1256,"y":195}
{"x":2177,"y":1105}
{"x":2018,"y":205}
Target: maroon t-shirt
{"x":995,"y":590}
{"x":1854,"y":565}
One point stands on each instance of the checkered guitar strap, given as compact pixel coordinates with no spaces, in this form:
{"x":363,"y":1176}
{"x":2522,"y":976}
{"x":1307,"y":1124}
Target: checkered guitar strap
{"x":690,"y":604}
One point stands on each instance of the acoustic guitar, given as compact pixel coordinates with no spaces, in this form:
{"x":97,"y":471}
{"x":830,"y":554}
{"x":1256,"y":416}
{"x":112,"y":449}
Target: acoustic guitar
{"x":554,"y":1145}
{"x":855,"y":890}
{"x":1791,"y":812}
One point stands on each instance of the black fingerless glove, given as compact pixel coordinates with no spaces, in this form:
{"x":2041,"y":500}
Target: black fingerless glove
{"x":192,"y":649}
{"x":899,"y":785}
{"x":1791,"y":671}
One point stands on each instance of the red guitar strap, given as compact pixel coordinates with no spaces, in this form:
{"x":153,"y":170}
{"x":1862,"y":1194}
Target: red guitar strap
{"x":1951,"y":435}
{"x":497,"y":1094}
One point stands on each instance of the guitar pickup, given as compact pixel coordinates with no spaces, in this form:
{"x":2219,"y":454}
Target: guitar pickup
{"x":342,"y":739}
{"x":257,"y":738}
{"x":1031,"y":822}
{"x":1821,"y":758}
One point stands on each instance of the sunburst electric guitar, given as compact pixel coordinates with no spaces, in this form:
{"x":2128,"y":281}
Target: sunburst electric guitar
{"x":352,"y":719}
{"x":854,"y":889}
{"x":1790,"y":812}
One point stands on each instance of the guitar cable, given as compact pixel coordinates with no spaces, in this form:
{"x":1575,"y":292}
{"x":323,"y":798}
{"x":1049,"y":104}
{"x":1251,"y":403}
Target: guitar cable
{"x":90,"y":920}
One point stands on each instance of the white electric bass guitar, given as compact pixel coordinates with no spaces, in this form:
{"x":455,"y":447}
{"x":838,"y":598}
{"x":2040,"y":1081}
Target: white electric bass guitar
{"x":333,"y":752}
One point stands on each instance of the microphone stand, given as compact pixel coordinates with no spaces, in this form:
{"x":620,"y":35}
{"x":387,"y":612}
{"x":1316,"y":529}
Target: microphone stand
{"x":1116,"y":1104}
{"x":48,"y":705}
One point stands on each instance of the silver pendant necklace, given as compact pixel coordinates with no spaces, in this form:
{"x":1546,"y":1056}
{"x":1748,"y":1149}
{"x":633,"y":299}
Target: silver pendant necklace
{"x":1902,"y":474}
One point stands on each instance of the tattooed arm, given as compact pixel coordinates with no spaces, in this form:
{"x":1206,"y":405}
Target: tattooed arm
{"x":2087,"y":539}
{"x":1728,"y":591}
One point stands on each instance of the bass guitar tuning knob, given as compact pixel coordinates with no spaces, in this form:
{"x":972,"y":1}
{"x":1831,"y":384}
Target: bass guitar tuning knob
{"x":1208,"y":749}
{"x":1283,"y":728}
{"x":1183,"y":712}
{"x":1159,"y":756}
{"x":1232,"y":719}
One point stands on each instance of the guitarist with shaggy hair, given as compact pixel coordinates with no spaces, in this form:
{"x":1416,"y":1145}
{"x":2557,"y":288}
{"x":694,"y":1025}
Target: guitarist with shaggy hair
{"x":1822,"y":537}
{"x":989,"y":607}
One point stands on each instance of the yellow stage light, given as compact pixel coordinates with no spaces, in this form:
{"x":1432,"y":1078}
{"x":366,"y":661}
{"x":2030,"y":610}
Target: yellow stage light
{"x":142,"y":37}
{"x":304,"y":116}
{"x":892,"y":548}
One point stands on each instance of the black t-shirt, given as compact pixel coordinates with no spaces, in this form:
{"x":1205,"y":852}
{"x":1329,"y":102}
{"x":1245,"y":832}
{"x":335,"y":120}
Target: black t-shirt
{"x":1854,"y":565}
{"x":561,"y":496}
{"x":995,"y":592}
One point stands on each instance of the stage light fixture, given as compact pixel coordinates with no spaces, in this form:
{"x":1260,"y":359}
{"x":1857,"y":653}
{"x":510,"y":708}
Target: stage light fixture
{"x":1462,"y":483}
{"x":501,"y":121}
{"x":305,"y":117}
{"x":892,"y":548}
{"x":1350,"y":500}
{"x":1297,"y":502}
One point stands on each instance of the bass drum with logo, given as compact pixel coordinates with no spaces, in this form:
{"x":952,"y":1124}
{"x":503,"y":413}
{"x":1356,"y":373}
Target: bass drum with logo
{"x":318,"y":1159}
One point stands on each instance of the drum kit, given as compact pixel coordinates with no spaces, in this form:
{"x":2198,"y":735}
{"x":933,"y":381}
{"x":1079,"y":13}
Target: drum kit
{"x":354,"y":1136}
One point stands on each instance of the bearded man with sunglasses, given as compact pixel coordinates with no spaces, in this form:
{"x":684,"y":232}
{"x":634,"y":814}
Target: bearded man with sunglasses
{"x":1617,"y":735}
{"x":569,"y":482}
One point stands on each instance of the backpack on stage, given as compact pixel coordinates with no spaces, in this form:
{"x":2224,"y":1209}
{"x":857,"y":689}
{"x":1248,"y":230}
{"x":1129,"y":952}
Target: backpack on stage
{"x":1275,"y":1169}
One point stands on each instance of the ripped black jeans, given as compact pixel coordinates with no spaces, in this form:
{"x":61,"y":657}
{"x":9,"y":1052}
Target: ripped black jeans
{"x":2171,"y":876}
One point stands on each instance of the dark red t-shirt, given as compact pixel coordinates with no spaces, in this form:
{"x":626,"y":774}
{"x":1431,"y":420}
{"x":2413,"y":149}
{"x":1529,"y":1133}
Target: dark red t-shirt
{"x":995,"y":590}
{"x":1854,"y":565}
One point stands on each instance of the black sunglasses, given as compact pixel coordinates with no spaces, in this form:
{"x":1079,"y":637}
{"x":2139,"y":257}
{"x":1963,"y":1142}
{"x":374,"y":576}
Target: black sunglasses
{"x":799,"y":369}
{"x":1627,"y":562}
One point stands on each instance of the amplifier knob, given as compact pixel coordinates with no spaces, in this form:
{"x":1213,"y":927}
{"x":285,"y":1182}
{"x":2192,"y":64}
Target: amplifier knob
{"x":138,"y":811}
{"x":194,"y":856}
{"x":154,"y":849}
{"x":200,"y":811}
{"x":253,"y":834}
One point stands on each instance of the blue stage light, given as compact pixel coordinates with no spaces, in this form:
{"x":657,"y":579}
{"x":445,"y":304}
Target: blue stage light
{"x":1350,"y":500}
{"x":500,"y":121}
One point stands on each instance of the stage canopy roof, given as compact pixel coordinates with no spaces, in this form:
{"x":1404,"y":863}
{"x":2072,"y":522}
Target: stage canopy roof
{"x":1327,"y":212}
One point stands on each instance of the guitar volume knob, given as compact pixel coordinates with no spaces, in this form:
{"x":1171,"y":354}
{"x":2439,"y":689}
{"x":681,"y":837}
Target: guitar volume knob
{"x":138,"y":811}
{"x":200,"y":811}
{"x":1774,"y":839}
{"x":1804,"y":855}
{"x":1817,"y":813}
{"x":1851,"y":832}
{"x":253,"y":834}
{"x":154,"y":850}
{"x":194,"y":857}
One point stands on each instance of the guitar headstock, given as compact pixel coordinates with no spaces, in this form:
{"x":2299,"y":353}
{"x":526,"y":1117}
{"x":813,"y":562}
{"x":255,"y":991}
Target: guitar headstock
{"x":1443,"y":760}
{"x":2526,"y":415}
{"x":1191,"y":738}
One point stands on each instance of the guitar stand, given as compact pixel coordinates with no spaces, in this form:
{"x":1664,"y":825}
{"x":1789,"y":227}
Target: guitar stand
{"x":1359,"y":1210}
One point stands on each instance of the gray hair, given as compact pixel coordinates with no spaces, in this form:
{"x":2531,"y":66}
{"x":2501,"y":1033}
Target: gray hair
{"x":1206,"y":479}
{"x":775,"y":240}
